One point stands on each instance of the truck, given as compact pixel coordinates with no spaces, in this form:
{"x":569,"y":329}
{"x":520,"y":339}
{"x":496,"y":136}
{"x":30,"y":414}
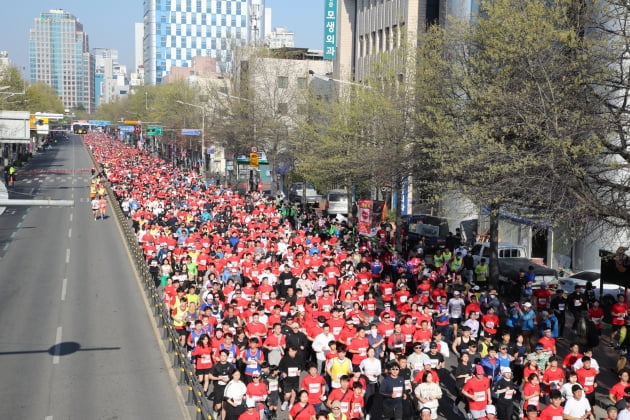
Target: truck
{"x":512,"y":259}
{"x":433,"y":229}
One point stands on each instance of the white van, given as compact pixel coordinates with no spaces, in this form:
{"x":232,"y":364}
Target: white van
{"x":506,"y":250}
{"x":337,"y":202}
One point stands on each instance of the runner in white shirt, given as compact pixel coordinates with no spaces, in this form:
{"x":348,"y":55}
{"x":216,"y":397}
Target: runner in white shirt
{"x":578,"y":407}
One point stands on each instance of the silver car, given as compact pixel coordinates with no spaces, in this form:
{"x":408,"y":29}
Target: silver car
{"x":568,"y":284}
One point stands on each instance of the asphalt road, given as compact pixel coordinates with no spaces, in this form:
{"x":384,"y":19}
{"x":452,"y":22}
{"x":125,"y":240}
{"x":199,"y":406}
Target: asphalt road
{"x":76,"y":339}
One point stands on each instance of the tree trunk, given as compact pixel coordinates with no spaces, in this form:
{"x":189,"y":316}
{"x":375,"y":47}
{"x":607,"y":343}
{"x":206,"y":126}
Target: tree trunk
{"x":493,"y":279}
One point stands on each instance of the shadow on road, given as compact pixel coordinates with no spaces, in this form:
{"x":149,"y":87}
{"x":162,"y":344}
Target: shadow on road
{"x":61,"y":349}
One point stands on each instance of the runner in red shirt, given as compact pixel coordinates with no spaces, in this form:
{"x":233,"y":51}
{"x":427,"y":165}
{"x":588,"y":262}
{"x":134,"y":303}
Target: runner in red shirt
{"x":302,"y":410}
{"x":554,"y":410}
{"x":587,"y":378}
{"x":315,"y":385}
{"x":477,"y":390}
{"x":618,"y":390}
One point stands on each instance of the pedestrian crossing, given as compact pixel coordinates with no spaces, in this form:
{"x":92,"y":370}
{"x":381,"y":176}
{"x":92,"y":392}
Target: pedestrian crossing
{"x":58,"y":179}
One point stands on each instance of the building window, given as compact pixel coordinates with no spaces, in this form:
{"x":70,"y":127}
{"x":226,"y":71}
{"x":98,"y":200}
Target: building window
{"x":282,"y":82}
{"x":301,"y":83}
{"x":388,"y":41}
{"x":283,"y":108}
{"x":373,"y":47}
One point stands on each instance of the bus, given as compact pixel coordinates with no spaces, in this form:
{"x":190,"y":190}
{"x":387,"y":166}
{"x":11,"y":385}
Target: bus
{"x":80,"y":127}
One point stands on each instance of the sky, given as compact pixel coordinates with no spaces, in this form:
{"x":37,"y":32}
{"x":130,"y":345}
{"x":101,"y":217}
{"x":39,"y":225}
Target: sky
{"x":109,"y":24}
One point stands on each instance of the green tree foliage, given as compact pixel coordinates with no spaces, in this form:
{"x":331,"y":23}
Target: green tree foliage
{"x":18,"y":95}
{"x":511,"y":109}
{"x":361,"y":136}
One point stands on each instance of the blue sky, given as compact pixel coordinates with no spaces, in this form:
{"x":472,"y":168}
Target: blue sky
{"x":109,"y":24}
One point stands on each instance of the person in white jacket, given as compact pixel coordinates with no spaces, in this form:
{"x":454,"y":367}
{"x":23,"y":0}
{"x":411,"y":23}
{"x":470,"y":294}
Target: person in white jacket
{"x":320,"y":345}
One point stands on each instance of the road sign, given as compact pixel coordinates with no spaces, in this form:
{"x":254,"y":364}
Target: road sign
{"x":131,"y":122}
{"x":125,"y":128}
{"x":155,"y":130}
{"x":253,"y":160}
{"x":190,"y":132}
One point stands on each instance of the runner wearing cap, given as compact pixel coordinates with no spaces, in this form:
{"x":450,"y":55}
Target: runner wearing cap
{"x":477,"y":390}
{"x":503,"y":391}
{"x":528,"y":324}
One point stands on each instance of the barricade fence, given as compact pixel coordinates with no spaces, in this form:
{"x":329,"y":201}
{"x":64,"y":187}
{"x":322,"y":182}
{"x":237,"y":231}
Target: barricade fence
{"x":184,"y":370}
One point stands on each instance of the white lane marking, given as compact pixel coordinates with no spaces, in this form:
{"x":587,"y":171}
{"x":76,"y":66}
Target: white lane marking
{"x":67,"y":255}
{"x":64,"y":289}
{"x":6,"y":246}
{"x":48,"y":418}
{"x":57,"y":347}
{"x":19,"y":225}
{"x":13,"y":235}
{"x":69,"y":233}
{"x":71,"y":217}
{"x":29,"y":181}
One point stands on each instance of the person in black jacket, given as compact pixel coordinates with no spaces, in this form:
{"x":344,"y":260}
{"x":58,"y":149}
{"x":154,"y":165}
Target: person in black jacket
{"x":298,"y":340}
{"x":290,"y":367}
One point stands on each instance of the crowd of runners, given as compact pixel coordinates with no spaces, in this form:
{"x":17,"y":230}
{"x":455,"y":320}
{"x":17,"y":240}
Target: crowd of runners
{"x":294,"y":312}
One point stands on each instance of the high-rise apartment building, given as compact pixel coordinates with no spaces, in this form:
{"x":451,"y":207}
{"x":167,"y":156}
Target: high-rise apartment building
{"x":175,"y":31}
{"x":363,"y":29}
{"x":59,"y":56}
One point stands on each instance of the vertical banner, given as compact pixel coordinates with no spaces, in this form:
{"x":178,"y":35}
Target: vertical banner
{"x":365,"y":217}
{"x":404,"y":197}
{"x":330,"y":30}
{"x":378,"y":212}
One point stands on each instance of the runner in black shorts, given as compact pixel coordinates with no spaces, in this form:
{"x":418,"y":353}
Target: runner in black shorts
{"x":220,"y":374}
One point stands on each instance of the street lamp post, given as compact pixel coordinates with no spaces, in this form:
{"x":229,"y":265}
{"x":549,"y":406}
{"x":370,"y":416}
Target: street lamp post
{"x":202,"y":170}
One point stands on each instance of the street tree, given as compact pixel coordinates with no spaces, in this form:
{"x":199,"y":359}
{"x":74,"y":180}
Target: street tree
{"x":510,"y":108}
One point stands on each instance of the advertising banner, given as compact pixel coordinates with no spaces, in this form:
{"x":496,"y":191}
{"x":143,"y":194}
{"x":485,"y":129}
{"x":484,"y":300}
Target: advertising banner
{"x":330,"y":30}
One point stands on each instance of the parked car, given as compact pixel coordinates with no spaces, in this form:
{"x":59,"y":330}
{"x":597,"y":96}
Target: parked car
{"x":568,"y":284}
{"x":337,"y":202}
{"x":297,"y":190}
{"x":509,"y":268}
{"x":506,"y":250}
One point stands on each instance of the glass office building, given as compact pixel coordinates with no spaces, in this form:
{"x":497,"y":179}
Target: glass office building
{"x":175,"y":31}
{"x":59,"y":56}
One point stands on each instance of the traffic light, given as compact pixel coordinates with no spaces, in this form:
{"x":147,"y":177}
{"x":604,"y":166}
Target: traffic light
{"x":137,"y":129}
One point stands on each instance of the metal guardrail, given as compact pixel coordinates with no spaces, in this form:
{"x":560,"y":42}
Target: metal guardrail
{"x":183,"y":368}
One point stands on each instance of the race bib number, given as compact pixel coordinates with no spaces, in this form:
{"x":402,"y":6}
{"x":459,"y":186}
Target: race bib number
{"x":273,"y":386}
{"x":314,"y":388}
{"x":479,"y":396}
{"x":397,"y":392}
{"x":205,"y":358}
{"x":403,"y":299}
{"x":561,"y":306}
{"x":293,"y":371}
{"x":509,"y":394}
